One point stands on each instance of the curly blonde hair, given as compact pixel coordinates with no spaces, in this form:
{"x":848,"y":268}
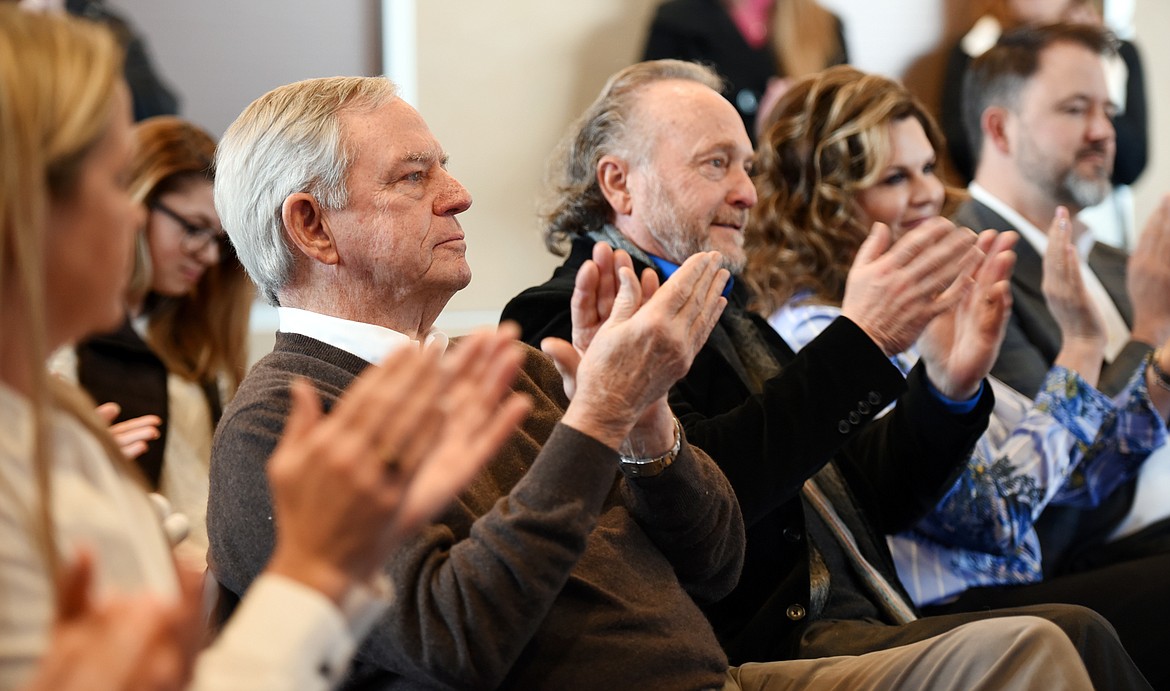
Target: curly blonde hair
{"x":826,"y":140}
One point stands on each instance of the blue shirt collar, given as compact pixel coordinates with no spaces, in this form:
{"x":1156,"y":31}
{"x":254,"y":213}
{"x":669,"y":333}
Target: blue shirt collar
{"x":668,"y":268}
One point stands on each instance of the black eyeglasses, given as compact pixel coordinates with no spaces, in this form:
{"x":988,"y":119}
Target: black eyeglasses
{"x":196,"y":238}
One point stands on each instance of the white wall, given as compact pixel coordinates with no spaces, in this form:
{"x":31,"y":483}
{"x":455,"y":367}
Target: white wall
{"x":1152,"y":19}
{"x":869,"y":26}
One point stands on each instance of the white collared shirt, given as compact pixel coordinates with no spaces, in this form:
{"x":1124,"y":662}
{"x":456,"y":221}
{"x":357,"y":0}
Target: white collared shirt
{"x":370,"y":342}
{"x":1116,"y":331}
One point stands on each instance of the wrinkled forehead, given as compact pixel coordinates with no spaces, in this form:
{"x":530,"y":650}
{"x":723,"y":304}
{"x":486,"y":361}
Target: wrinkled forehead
{"x":390,"y":132}
{"x":686,"y":117}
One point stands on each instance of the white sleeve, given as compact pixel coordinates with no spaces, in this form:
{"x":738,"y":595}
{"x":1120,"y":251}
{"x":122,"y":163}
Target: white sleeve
{"x":286,"y":636}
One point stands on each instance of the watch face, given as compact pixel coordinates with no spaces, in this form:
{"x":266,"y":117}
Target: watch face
{"x":648,"y":468}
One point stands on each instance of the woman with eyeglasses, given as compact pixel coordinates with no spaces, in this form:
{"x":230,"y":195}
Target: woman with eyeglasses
{"x":182,"y":350}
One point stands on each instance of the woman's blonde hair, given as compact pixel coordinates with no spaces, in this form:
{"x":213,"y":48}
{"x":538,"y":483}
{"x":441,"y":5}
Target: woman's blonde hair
{"x":58,"y":82}
{"x":805,"y":37}
{"x":202,"y":335}
{"x":828,"y":139}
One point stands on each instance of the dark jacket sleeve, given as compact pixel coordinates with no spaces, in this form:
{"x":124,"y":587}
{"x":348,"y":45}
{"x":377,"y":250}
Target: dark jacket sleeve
{"x":1132,"y":125}
{"x":900,"y":469}
{"x":772,"y":442}
{"x":822,"y":403}
{"x":959,"y":145}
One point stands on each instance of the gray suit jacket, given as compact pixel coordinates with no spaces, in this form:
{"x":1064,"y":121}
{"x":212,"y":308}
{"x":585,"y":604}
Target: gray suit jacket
{"x":1070,"y":539}
{"x":1033,"y":337}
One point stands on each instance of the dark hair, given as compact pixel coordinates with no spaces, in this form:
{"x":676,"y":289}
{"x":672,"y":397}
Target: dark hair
{"x":997,"y":77}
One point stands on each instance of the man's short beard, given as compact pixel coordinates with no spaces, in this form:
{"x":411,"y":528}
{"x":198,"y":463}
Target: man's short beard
{"x":1082,"y":192}
{"x":678,"y":238}
{"x":734,"y":265}
{"x":680,"y":243}
{"x":675,"y":239}
{"x":1066,"y":187}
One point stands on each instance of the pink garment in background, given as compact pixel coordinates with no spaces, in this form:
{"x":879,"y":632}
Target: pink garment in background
{"x":751,"y":17}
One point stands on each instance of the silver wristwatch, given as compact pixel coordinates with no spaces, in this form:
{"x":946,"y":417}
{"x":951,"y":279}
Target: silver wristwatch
{"x":634,"y":467}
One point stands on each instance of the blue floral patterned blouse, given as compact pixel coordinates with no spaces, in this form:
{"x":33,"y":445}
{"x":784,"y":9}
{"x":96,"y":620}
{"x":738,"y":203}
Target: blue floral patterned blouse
{"x":1070,"y":446}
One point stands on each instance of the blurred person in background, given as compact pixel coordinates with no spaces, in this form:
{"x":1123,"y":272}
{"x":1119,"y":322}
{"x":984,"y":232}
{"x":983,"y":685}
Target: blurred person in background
{"x":1112,"y":219}
{"x":757,"y":46}
{"x":181,"y":351}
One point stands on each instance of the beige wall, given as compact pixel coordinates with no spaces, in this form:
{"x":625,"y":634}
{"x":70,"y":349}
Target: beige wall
{"x":1152,"y":18}
{"x":500,"y":81}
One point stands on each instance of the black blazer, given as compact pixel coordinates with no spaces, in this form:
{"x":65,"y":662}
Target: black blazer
{"x":817,"y":409}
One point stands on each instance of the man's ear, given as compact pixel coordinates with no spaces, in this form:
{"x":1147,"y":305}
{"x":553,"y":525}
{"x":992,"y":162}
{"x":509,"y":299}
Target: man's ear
{"x":995,"y":122}
{"x":306,"y":228}
{"x":613,"y":176}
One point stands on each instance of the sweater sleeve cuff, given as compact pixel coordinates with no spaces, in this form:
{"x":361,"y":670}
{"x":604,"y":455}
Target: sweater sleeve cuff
{"x":287,"y":635}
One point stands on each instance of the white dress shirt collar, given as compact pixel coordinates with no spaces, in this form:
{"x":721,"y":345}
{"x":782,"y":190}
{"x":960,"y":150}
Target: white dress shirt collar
{"x":1116,"y":331}
{"x":370,"y":342}
{"x":1034,"y":236}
